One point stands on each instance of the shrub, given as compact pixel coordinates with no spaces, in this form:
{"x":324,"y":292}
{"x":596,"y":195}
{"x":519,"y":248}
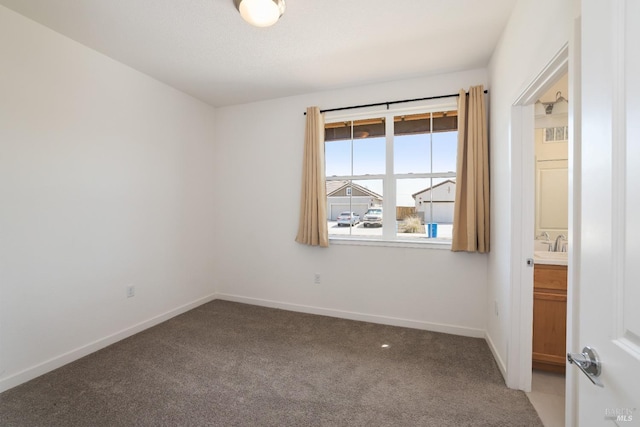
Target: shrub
{"x":411,"y":224}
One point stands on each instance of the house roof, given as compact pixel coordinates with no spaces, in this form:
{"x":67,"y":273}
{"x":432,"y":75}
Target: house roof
{"x":433,"y":187}
{"x":334,"y":187}
{"x":205,"y":49}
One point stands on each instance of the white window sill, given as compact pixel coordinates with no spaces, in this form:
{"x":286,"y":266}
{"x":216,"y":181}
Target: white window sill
{"x":354,"y":241}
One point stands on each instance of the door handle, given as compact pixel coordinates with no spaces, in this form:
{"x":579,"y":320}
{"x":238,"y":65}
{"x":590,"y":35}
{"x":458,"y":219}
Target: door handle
{"x":589,"y":363}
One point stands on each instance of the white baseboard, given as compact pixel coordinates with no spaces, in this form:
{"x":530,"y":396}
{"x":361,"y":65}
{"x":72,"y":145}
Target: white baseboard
{"x":496,"y":356}
{"x":373,"y":318}
{"x":70,"y":356}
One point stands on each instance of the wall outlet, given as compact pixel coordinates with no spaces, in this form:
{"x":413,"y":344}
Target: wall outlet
{"x":316,"y":278}
{"x":131,"y":291}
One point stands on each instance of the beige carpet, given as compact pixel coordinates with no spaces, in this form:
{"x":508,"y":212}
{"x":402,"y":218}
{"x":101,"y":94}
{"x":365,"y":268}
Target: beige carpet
{"x":230,"y":364}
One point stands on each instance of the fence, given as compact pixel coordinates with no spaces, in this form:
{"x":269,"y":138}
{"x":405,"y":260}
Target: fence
{"x":404,"y":211}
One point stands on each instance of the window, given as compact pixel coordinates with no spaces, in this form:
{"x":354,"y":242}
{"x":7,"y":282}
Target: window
{"x":556,"y":134}
{"x":396,"y":171}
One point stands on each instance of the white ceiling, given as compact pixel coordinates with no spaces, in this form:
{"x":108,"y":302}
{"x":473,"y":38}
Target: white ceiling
{"x":204,"y":48}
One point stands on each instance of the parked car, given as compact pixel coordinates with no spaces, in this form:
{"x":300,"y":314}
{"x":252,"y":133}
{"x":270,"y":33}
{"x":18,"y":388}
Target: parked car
{"x":348,"y":218}
{"x":372,"y":218}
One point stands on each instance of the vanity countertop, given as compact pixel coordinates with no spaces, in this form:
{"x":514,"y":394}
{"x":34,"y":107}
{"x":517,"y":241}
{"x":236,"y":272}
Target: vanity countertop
{"x":550,"y":258}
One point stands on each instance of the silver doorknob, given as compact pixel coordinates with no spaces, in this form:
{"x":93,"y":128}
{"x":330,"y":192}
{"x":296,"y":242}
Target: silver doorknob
{"x":589,"y":363}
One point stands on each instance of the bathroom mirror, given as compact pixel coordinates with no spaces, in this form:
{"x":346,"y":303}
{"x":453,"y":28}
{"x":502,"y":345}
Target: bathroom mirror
{"x":551,"y":169}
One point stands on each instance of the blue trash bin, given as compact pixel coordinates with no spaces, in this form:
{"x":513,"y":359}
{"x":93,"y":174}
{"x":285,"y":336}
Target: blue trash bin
{"x":432,"y":229}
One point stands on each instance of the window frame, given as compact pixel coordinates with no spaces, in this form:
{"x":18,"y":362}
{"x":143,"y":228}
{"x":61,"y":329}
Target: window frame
{"x":389,"y":178}
{"x":555,"y":131}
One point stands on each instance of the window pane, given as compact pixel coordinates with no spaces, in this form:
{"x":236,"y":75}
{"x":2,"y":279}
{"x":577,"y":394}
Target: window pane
{"x":549,"y":134}
{"x":562,"y":133}
{"x":369,"y":146}
{"x":445,"y":149}
{"x":367,"y":197}
{"x":411,"y":153}
{"x":406,"y":188}
{"x":337,"y":158}
{"x":365,"y":194}
{"x":433,"y":200}
{"x":410,"y":223}
{"x":368,"y":156}
{"x":412,"y":143}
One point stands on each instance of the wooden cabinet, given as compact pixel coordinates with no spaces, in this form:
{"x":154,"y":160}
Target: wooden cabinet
{"x":549,"y":317}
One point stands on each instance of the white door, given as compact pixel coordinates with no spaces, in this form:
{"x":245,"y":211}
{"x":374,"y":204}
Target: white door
{"x":608,"y":280}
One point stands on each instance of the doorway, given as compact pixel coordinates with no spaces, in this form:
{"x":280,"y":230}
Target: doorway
{"x":519,"y":358}
{"x":551,"y":253}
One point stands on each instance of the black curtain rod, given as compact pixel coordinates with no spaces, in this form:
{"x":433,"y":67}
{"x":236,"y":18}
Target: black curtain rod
{"x":390,"y":103}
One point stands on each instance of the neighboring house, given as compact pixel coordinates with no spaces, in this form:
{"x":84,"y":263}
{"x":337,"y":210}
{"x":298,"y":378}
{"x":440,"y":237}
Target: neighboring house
{"x":442,"y":196}
{"x":345,"y":196}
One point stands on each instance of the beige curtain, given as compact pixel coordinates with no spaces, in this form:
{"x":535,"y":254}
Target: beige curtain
{"x":471,"y":215}
{"x":312,"y":228}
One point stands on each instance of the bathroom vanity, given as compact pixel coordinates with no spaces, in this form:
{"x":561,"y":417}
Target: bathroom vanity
{"x":550,"y":311}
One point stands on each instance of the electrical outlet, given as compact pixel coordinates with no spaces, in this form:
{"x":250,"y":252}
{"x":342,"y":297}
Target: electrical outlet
{"x":316,"y":278}
{"x":131,"y":291}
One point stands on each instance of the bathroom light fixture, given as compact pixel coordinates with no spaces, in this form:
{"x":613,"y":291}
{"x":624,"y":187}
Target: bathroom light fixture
{"x":552,"y":114}
{"x":260,"y":13}
{"x":561,"y":106}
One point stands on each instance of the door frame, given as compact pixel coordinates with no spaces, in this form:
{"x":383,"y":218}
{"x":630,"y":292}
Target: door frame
{"x":522,"y":144}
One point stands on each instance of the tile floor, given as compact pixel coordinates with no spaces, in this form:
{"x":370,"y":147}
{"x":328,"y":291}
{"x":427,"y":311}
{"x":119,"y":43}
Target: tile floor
{"x":547,"y":397}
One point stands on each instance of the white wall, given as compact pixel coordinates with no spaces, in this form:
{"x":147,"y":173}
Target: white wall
{"x":105,"y":181}
{"x":260,"y":153}
{"x":536,"y":32}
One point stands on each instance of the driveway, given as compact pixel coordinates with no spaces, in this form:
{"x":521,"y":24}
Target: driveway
{"x":444,"y":231}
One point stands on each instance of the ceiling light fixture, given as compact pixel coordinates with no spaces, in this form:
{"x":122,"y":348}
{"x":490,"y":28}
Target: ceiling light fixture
{"x":260,"y":13}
